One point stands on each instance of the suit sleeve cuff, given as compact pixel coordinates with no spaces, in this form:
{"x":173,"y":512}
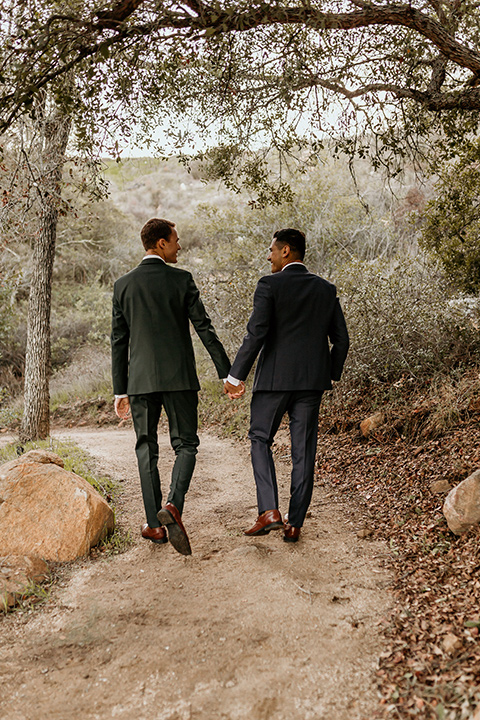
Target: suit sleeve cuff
{"x":233,"y":381}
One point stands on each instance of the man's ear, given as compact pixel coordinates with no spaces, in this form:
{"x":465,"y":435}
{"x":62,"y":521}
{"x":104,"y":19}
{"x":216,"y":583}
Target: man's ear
{"x":286,"y":250}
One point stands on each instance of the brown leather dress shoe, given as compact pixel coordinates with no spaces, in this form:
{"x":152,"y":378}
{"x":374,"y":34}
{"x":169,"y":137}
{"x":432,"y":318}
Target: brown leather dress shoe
{"x":156,"y":535}
{"x":268,"y":520}
{"x":291,"y":534}
{"x":170,"y":517}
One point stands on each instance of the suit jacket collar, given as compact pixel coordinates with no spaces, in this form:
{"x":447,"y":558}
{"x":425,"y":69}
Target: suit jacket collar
{"x":295,"y":267}
{"x":152,"y":260}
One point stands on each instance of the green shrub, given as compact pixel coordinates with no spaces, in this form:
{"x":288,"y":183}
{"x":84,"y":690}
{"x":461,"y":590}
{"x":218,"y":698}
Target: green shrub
{"x":403,"y":322}
{"x":451,"y":226}
{"x":11,"y":354}
{"x":227,"y":283}
{"x":87,"y":377}
{"x":81,"y":315}
{"x":229,"y":417}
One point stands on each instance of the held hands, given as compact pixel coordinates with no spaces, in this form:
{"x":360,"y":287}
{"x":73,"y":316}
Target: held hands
{"x":122,"y":407}
{"x":234,"y":391}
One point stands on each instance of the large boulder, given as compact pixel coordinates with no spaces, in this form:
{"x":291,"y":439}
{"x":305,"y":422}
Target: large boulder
{"x":48,"y":511}
{"x":17,"y":573}
{"x":462,"y":504}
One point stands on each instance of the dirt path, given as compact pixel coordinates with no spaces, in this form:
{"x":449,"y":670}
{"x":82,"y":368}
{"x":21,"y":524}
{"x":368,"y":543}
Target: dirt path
{"x":244,"y":628}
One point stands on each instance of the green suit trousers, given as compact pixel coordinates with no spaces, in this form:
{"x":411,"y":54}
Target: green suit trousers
{"x":181,"y":410}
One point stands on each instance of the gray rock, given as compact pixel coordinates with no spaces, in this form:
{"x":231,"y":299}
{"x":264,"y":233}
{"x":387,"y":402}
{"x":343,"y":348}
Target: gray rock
{"x":462,"y":504}
{"x":440,"y":486}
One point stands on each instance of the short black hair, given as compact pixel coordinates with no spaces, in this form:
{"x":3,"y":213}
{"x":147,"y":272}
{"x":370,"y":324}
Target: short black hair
{"x":155,"y":229}
{"x":294,"y":238}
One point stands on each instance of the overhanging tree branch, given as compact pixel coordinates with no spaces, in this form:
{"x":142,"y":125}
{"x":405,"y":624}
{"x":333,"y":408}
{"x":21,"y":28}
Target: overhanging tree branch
{"x":67,"y":41}
{"x":466,"y":99}
{"x":121,"y":12}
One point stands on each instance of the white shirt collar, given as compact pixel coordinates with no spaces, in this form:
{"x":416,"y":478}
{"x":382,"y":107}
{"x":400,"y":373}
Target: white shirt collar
{"x":293,"y":263}
{"x":147,"y":257}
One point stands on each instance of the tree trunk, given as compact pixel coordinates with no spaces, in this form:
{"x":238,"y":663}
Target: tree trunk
{"x":36,"y":415}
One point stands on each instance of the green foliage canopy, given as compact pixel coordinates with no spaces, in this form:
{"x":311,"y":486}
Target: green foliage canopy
{"x":253,"y":74}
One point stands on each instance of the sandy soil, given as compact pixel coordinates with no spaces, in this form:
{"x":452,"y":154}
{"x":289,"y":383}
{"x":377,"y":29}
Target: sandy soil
{"x":244,"y":628}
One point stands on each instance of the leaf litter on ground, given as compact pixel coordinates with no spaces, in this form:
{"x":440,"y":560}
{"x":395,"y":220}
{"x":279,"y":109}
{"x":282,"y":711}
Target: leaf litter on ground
{"x":431,"y":665}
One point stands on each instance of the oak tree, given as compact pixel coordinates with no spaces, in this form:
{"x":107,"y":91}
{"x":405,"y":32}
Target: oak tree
{"x":394,"y":71}
{"x":382,"y":79}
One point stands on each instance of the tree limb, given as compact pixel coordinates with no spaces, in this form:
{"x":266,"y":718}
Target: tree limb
{"x":76,"y":40}
{"x":198,"y":7}
{"x":371,"y":14}
{"x":463,"y":100}
{"x":438,"y":74}
{"x":120,"y":13}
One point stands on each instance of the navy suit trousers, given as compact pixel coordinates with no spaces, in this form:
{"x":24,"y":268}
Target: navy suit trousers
{"x":267,"y":410}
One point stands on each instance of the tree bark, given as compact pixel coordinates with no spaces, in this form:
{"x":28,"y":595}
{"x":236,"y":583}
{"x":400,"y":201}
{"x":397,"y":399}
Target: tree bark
{"x":36,"y":416}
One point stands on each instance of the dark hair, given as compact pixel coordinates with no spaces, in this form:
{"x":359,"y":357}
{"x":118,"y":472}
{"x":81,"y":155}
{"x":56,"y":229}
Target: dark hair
{"x":294,"y":238}
{"x":155,"y":229}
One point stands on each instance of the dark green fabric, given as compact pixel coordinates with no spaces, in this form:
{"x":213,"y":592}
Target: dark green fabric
{"x":151,"y":344}
{"x":181,"y":410}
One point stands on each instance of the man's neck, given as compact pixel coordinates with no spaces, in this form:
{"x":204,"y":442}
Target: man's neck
{"x":155,"y":253}
{"x":292,"y":262}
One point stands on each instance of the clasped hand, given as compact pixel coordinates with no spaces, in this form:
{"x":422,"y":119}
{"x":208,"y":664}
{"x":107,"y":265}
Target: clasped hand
{"x":122,"y":407}
{"x":234,"y":391}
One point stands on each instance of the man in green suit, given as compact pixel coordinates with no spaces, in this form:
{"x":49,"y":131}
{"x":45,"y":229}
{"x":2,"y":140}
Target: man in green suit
{"x":153,"y":366}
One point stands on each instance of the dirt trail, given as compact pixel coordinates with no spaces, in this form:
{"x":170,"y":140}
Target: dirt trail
{"x":244,"y":628}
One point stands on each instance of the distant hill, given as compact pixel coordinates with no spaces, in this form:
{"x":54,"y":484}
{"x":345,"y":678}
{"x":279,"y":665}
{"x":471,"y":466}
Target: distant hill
{"x":143,"y":188}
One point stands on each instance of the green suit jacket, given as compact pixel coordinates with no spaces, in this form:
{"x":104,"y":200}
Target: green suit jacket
{"x":152,"y":348}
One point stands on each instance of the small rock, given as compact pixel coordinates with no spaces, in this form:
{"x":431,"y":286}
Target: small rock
{"x":451,"y":643}
{"x":17,"y":571}
{"x":371,"y":423}
{"x":440,"y":486}
{"x":41,"y":456}
{"x":462,"y":504}
{"x":365,"y":532}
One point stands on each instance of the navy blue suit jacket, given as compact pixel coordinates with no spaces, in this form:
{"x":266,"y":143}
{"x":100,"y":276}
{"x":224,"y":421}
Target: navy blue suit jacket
{"x":298,"y":330}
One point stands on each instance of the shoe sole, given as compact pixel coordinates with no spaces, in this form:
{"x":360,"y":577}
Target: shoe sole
{"x":266,"y":529}
{"x":177,"y":537}
{"x":157,"y":542}
{"x":287,"y":539}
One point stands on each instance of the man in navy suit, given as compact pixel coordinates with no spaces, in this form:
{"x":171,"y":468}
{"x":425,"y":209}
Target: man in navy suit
{"x":298,"y":330}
